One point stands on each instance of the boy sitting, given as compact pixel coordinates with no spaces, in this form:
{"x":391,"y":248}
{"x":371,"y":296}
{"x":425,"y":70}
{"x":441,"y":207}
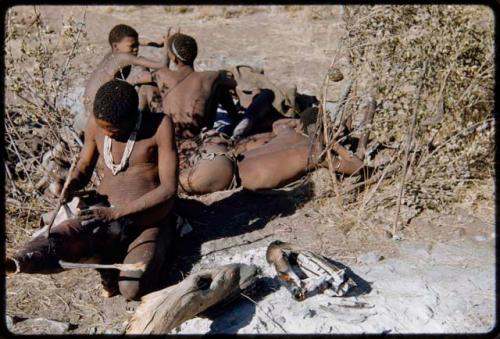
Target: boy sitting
{"x":124,"y":43}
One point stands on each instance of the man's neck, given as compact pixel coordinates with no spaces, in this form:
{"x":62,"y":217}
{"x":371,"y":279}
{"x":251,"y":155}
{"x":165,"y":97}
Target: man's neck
{"x":182,"y":68}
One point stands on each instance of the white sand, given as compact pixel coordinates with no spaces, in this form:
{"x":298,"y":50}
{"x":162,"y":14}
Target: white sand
{"x":447,"y":288}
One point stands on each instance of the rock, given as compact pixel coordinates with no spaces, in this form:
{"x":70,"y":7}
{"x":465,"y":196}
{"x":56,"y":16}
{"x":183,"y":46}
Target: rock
{"x":9,"y":322}
{"x":480,"y":238}
{"x":334,"y":74}
{"x":41,"y":326}
{"x":370,"y":258}
{"x":460,"y":232}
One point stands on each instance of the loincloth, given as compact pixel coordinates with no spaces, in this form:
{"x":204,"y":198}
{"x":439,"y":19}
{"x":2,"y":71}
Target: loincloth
{"x":192,"y":151}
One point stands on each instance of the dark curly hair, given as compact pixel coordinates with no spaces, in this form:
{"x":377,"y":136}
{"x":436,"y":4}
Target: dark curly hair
{"x":116,"y":101}
{"x":184,"y":47}
{"x":119,"y":32}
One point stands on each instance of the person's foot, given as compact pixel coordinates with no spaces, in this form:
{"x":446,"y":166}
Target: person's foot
{"x":108,"y":292}
{"x":242,"y":129}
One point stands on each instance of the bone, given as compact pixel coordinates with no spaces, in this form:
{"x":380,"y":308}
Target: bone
{"x":140,"y":266}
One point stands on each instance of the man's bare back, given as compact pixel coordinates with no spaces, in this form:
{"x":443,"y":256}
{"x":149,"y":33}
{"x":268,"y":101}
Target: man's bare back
{"x":185,"y":95}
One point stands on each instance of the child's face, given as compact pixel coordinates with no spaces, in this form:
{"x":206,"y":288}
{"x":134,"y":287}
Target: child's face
{"x":128,"y":45}
{"x":117,"y":131}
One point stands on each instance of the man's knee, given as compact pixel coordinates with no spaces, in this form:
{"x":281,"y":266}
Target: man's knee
{"x":131,"y":289}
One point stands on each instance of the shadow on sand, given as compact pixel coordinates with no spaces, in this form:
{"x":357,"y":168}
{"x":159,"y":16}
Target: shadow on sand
{"x":241,"y":212}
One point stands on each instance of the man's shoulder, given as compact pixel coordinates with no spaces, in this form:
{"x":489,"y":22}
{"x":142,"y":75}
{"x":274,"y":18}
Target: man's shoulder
{"x":160,"y":120}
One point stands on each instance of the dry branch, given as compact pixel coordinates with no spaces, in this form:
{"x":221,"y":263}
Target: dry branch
{"x":164,"y":310}
{"x":408,"y":145}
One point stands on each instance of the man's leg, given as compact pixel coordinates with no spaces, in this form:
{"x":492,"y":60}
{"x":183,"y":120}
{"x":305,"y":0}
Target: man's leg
{"x":68,"y":241}
{"x":276,"y":168}
{"x":151,"y":247}
{"x":261,"y":104}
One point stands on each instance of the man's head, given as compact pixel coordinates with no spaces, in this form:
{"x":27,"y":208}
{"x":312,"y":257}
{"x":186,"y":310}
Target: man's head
{"x":308,"y":120}
{"x":115,"y":108}
{"x":182,"y":48}
{"x":124,"y":39}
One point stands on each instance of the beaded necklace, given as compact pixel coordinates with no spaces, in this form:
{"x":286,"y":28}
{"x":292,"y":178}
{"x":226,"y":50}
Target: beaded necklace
{"x":108,"y":156}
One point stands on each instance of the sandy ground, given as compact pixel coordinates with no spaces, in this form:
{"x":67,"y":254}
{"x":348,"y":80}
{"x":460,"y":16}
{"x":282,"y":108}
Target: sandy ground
{"x":438,"y":278}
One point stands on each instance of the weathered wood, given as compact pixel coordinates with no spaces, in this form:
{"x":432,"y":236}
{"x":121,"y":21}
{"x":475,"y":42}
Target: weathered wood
{"x":164,"y":310}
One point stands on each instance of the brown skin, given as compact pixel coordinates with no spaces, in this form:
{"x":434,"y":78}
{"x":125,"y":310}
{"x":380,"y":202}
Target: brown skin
{"x":208,"y":175}
{"x":186,"y":95}
{"x":144,"y":192}
{"x":123,"y":55}
{"x":140,"y":199}
{"x":284,"y":158}
{"x":150,"y":98}
{"x":271,"y":160}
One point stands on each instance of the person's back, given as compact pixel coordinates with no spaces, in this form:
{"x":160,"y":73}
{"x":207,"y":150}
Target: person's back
{"x":188,"y":96}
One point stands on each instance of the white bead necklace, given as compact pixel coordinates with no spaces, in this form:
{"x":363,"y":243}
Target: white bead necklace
{"x":108,"y":156}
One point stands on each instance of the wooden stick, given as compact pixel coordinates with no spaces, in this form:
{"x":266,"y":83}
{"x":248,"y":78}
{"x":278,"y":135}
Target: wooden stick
{"x":369,"y":112}
{"x":407,"y":150}
{"x":140,"y":266}
{"x":61,"y":198}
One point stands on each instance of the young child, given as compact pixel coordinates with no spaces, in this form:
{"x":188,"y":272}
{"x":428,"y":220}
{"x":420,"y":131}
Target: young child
{"x":124,"y":42}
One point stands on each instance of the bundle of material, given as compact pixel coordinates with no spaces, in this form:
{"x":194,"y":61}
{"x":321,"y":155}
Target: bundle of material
{"x":305,"y":273}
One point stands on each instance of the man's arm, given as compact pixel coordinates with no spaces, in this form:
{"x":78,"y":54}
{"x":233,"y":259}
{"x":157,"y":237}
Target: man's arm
{"x":224,"y":84}
{"x":140,"y":78}
{"x":159,"y":200}
{"x":86,"y":162}
{"x":129,"y":59}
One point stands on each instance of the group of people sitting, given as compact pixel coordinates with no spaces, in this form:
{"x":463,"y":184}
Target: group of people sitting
{"x":156,"y":128}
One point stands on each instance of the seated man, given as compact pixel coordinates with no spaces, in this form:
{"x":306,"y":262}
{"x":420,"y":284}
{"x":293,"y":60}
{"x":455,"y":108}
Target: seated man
{"x":267,"y":160}
{"x":133,"y":221}
{"x":191,"y":97}
{"x":124,"y":42}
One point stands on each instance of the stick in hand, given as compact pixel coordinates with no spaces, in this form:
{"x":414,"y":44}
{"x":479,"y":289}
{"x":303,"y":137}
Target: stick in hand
{"x":61,"y":197}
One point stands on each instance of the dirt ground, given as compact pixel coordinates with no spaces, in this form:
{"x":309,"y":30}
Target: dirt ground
{"x":450,"y":255}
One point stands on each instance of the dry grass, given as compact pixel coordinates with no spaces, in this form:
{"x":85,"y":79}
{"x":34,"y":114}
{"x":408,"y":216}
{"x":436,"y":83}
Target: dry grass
{"x":451,"y":150}
{"x":452,"y":142}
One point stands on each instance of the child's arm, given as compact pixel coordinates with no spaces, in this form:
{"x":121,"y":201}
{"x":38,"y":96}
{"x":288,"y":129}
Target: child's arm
{"x":152,"y":43}
{"x":129,"y":59}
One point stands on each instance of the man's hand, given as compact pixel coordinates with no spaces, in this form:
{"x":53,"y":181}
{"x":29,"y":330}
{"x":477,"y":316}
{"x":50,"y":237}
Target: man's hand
{"x":65,"y":195}
{"x":99,"y":215}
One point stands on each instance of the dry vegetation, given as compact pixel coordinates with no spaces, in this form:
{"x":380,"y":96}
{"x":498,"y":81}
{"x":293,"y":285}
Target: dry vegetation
{"x":38,"y":63}
{"x":432,"y":74}
{"x":432,"y":69}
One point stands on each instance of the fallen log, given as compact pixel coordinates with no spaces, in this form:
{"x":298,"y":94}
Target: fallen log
{"x":164,"y":310}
